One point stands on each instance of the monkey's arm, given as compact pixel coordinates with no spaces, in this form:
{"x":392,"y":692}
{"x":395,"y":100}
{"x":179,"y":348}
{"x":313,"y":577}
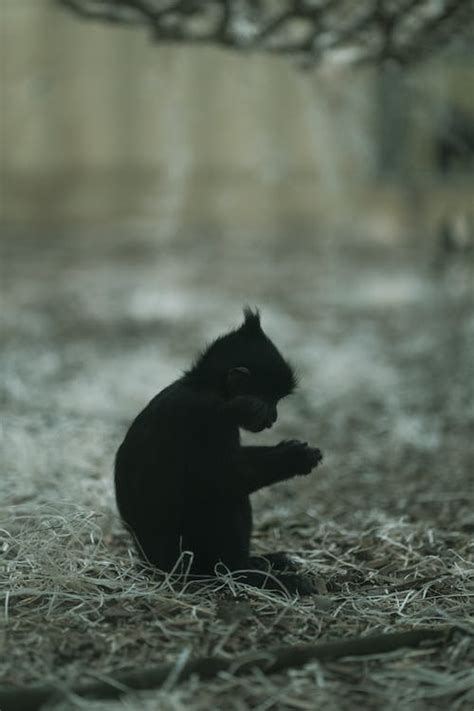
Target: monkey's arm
{"x":263,"y":466}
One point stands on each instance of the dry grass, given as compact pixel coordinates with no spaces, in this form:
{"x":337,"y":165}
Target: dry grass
{"x":78,"y":605}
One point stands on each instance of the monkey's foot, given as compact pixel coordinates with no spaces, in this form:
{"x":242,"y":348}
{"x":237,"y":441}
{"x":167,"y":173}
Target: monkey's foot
{"x":279,"y":560}
{"x":278,"y":573}
{"x":283,"y":583}
{"x":296,"y":583}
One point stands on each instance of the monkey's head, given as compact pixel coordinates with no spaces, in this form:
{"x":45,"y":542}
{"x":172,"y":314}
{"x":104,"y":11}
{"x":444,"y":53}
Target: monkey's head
{"x":248,"y":371}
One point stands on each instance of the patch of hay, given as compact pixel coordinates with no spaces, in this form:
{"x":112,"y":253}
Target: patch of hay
{"x":77,"y":605}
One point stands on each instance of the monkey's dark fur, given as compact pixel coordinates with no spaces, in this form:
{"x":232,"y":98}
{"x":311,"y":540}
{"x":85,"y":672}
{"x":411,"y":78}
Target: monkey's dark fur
{"x":182,"y":477}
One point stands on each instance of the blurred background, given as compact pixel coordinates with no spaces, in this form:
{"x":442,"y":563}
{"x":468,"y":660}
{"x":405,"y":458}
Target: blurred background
{"x":100,"y":123}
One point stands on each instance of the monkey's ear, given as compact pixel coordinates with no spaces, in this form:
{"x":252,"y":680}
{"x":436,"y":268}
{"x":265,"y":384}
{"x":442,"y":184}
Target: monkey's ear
{"x":237,"y":380}
{"x":251,"y":322}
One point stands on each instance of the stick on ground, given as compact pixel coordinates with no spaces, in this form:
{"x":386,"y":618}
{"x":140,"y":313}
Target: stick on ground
{"x":30,"y":698}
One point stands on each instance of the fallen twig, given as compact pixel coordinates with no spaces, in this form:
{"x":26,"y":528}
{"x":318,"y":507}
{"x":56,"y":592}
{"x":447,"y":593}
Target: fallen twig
{"x":30,"y":698}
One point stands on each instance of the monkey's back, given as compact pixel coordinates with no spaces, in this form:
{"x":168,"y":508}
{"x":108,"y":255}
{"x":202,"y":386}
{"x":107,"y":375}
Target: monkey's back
{"x":160,"y":463}
{"x":149,"y":463}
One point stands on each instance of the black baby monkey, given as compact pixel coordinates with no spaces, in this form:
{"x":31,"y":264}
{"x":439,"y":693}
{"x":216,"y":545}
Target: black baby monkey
{"x":182,"y":477}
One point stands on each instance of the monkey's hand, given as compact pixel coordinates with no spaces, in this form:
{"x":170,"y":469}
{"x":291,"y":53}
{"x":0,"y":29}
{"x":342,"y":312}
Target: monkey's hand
{"x":297,"y":457}
{"x":248,"y":412}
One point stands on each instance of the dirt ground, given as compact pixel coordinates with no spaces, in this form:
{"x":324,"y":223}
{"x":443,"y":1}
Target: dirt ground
{"x":96,"y":320}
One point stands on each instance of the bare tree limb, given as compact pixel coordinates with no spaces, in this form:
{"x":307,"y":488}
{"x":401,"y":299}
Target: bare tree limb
{"x":405,"y":31}
{"x":268,"y":661}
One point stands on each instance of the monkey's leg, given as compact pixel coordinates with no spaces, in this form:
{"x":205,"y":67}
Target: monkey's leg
{"x":217,"y":529}
{"x":159,"y":548}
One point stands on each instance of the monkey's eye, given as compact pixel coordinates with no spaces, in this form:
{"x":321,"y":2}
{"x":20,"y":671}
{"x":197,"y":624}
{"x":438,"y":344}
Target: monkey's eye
{"x":237,"y":380}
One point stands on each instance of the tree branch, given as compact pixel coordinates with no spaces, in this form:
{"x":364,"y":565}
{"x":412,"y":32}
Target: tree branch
{"x":374,"y":30}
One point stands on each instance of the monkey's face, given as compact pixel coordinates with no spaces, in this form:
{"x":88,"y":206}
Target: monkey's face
{"x":258,"y":414}
{"x":255,"y":411}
